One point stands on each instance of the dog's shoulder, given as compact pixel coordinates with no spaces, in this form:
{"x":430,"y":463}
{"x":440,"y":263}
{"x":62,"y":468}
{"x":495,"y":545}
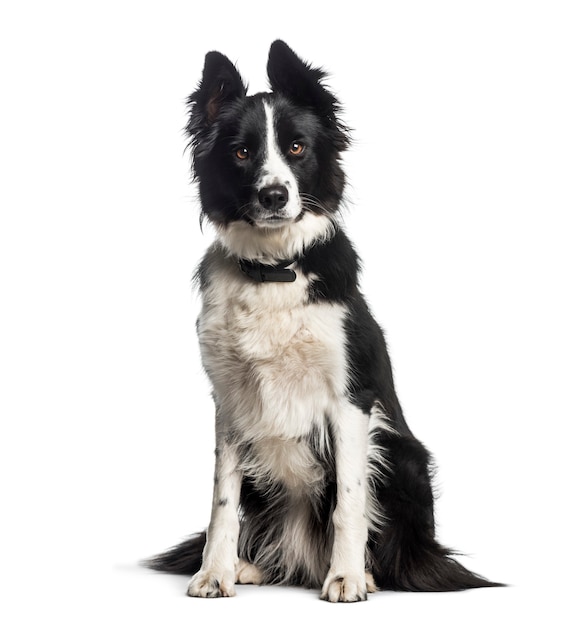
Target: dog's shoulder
{"x":214,"y":263}
{"x":334,"y":266}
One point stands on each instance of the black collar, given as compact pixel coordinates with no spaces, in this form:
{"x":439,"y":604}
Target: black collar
{"x":278,"y":273}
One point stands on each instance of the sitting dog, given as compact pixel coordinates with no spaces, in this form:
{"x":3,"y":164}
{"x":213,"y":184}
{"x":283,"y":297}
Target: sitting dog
{"x":318,"y":479}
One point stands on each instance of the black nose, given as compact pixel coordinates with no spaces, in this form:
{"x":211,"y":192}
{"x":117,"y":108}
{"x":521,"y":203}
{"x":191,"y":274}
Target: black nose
{"x":273,"y":198}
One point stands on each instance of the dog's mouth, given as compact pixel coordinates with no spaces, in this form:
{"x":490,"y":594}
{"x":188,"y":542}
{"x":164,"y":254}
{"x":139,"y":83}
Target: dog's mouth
{"x":272,"y":221}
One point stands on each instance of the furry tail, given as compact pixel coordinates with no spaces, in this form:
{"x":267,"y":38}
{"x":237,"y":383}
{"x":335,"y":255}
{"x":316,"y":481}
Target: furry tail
{"x":404,"y":553}
{"x":424,"y":566}
{"x":185,"y":558}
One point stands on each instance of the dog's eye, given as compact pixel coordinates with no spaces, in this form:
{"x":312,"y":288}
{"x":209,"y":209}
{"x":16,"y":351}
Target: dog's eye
{"x":242,"y":153}
{"x":296,"y":148}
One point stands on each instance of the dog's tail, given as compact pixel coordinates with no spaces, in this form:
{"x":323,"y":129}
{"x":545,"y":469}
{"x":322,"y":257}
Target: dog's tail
{"x":423,"y":565}
{"x":185,"y":558}
{"x":404,"y":553}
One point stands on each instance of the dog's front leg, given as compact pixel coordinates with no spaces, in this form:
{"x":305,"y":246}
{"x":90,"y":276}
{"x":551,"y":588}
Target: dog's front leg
{"x":346,"y":579}
{"x":216,"y":577}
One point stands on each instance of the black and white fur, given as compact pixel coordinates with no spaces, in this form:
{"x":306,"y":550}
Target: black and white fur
{"x":318,"y":480}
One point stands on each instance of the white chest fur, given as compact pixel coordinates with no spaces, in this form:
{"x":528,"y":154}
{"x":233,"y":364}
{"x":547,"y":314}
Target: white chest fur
{"x":277,"y":362}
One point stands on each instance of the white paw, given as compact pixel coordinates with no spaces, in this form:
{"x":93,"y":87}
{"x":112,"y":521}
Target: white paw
{"x":344,"y":588}
{"x":212,"y":584}
{"x":248,"y":574}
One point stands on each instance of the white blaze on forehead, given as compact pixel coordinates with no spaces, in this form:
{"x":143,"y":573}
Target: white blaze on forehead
{"x":275,"y":170}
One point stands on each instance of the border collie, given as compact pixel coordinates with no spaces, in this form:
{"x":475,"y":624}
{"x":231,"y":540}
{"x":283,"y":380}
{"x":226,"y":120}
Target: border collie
{"x":318,"y":480}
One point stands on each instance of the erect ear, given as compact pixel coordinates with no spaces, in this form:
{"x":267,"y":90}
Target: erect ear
{"x":221,"y":83}
{"x":297,"y":80}
{"x":303,"y":84}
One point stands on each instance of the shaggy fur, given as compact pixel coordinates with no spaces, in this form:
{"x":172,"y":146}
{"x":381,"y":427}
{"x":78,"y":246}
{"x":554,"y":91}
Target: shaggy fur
{"x":318,"y":480}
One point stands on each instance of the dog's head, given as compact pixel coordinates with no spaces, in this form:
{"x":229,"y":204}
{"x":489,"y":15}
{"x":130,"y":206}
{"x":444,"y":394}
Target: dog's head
{"x":267,"y":162}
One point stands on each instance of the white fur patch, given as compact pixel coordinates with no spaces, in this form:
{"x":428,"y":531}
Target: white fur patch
{"x":276,"y":171}
{"x":247,"y":241}
{"x":277,"y":362}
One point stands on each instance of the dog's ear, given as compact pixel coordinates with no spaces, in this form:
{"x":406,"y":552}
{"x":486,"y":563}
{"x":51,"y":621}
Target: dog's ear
{"x":303,"y":84}
{"x":221,"y":83}
{"x":296,"y":79}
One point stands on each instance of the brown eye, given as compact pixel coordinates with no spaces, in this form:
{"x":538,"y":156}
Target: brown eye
{"x":296,"y":148}
{"x":242,"y":153}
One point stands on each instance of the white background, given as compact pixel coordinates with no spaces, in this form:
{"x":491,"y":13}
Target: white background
{"x":465,"y":202}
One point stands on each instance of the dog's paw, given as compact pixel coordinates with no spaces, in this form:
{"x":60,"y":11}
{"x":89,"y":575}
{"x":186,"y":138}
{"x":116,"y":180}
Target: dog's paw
{"x":248,"y":574}
{"x":212,"y":584}
{"x":344,"y":588}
